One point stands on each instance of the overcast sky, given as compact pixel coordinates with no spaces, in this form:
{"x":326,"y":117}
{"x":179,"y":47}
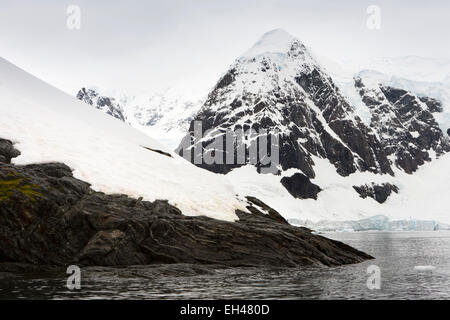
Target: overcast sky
{"x":151,"y":45}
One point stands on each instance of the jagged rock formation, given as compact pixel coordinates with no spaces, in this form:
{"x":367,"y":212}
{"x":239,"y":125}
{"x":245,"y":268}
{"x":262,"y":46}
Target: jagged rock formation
{"x":432,"y":104}
{"x":103,"y":103}
{"x":50,"y":218}
{"x":404,"y":123}
{"x":257,"y":206}
{"x":285,"y":89}
{"x":7,"y":151}
{"x":378,"y":192}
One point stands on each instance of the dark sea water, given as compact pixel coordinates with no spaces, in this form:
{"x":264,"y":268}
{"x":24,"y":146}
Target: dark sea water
{"x":398,"y":255}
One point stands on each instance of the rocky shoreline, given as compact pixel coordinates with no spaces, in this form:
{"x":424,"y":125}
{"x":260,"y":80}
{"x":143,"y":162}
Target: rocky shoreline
{"x":50,"y":219}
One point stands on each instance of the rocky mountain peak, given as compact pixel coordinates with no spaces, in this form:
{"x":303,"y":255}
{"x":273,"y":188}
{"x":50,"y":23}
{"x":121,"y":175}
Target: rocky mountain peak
{"x":277,"y":43}
{"x":278,"y":85}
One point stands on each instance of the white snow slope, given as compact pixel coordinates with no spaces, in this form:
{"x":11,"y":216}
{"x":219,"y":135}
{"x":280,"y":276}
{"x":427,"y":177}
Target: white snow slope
{"x":48,"y":125}
{"x":421,"y":76}
{"x":439,"y":90}
{"x":425,"y":195}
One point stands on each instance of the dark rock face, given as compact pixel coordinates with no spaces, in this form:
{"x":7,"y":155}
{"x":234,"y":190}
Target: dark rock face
{"x":7,"y":151}
{"x":106,"y":104}
{"x":262,"y":206}
{"x":297,"y":98}
{"x":290,"y":92}
{"x":448,"y":131}
{"x":300,"y":186}
{"x":378,"y":192}
{"x":405,"y":124}
{"x":50,"y":218}
{"x":433,"y":105}
{"x":367,"y":150}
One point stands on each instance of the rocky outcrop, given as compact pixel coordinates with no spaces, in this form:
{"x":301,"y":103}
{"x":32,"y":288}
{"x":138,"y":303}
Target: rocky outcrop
{"x":405,"y":124}
{"x":50,"y":218}
{"x":7,"y":151}
{"x":379,"y":192}
{"x":300,"y":186}
{"x":433,"y":105}
{"x":103,"y":103}
{"x":256,"y":206}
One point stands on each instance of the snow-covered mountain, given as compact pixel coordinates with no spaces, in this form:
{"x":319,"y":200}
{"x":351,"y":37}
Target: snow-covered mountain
{"x":405,"y":123}
{"x":351,"y":146}
{"x":424,"y":77}
{"x":165,"y":115}
{"x":349,"y":141}
{"x":279,"y":85}
{"x":48,"y":125}
{"x":438,"y":90}
{"x":98,"y":214}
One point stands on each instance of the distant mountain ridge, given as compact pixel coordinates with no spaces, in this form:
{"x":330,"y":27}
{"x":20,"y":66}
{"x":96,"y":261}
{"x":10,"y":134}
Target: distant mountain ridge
{"x":405,"y":124}
{"x":166,"y":115}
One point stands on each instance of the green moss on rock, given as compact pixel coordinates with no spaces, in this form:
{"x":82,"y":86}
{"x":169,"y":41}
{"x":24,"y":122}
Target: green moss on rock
{"x":8,"y":187}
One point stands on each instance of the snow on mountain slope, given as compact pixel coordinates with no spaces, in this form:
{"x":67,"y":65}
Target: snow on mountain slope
{"x":422,"y":76}
{"x":425,"y":195}
{"x":48,"y":125}
{"x":274,"y":42}
{"x":438,"y":90}
{"x":331,"y":135}
{"x":412,"y":67}
{"x":278,"y":85}
{"x":165,"y":115}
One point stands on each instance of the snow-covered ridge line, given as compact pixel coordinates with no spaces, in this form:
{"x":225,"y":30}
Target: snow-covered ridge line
{"x":434,"y":89}
{"x":279,"y":84}
{"x":48,"y":125}
{"x":165,"y":115}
